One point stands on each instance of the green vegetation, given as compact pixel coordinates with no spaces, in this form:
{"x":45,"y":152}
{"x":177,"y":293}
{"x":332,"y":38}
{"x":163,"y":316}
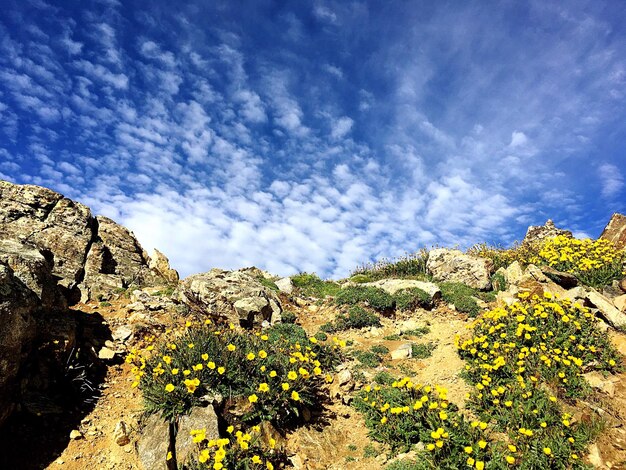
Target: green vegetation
{"x":288,"y":317}
{"x":379,"y":349}
{"x":410,"y":299}
{"x":372,"y":297}
{"x":311,"y":285}
{"x":368,"y":358}
{"x":461,"y":296}
{"x":422,"y":351}
{"x":411,"y":265}
{"x":356,"y":318}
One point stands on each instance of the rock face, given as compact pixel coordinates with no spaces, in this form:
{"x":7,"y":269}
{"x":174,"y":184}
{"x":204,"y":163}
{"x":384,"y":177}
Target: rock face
{"x":87,"y":254}
{"x":160,"y":264}
{"x":615,"y":230}
{"x":607,"y":309}
{"x":537,"y":233}
{"x":454,"y":266}
{"x":18,"y":305}
{"x":233,"y":295}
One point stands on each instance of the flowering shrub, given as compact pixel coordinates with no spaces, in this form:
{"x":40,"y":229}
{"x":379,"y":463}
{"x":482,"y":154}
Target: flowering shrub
{"x":594,"y":262}
{"x":274,"y":373}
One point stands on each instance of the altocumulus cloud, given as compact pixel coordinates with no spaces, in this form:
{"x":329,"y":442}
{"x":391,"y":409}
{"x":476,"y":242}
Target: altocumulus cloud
{"x":319,"y":135}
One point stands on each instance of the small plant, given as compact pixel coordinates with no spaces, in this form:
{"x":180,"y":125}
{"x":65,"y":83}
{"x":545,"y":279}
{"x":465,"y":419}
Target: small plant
{"x":379,"y":349}
{"x":498,"y":282}
{"x":105,"y":304}
{"x":422,"y":351}
{"x":369,"y":451}
{"x":288,"y":317}
{"x":373,"y":297}
{"x":411,"y":265}
{"x":368,"y":358}
{"x":265,"y":282}
{"x":352,"y":447}
{"x":461,"y":296}
{"x":410,"y":299}
{"x":357,"y":317}
{"x":312,"y":286}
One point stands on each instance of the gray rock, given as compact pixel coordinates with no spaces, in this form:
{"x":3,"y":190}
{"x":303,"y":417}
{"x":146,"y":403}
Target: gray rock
{"x":454,"y":266}
{"x":285,"y":285}
{"x":121,"y":333}
{"x":576,"y":294}
{"x":199,"y":418}
{"x":539,"y":233}
{"x":153,"y":444}
{"x":605,"y":384}
{"x":513,"y":274}
{"x":106,"y":353}
{"x":233,"y":295}
{"x":615,"y":231}
{"x":404,"y":351}
{"x":121,"y":434}
{"x":607,"y":310}
{"x":565,"y":280}
{"x":18,"y":305}
{"x":160,"y":264}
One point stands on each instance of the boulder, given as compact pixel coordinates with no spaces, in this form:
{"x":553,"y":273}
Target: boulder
{"x":607,"y":310}
{"x":232,"y":295}
{"x":160,"y":264}
{"x":404,"y":351}
{"x":538,"y":233}
{"x":454,"y":266}
{"x":199,"y":418}
{"x":285,"y":285}
{"x":34,"y":270}
{"x":620,"y":302}
{"x":391,"y":286}
{"x":615,"y":231}
{"x":622,"y":284}
{"x":513,"y":274}
{"x":565,"y":280}
{"x":153,"y":443}
{"x":18,"y":305}
{"x":87,"y":254}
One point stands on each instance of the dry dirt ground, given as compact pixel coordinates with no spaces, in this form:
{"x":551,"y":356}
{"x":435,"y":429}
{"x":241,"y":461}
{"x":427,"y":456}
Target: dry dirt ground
{"x":338,"y":441}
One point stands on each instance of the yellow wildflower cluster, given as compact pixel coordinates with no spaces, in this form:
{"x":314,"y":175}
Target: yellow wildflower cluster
{"x":574,"y":255}
{"x":244,"y":451}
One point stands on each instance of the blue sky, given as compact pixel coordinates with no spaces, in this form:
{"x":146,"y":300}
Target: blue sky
{"x":312,"y":135}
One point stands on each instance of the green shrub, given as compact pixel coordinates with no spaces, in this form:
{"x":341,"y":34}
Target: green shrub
{"x":410,"y":299}
{"x":368,"y":358}
{"x":384,"y":378}
{"x":461,"y":296}
{"x":356,"y":318}
{"x":498,"y":282}
{"x":312,"y":286}
{"x":379,"y":349}
{"x":321,"y":336}
{"x":411,"y":265}
{"x":267,"y":283}
{"x":208,"y":359}
{"x":288,"y":317}
{"x":422,"y":351}
{"x":361,"y":278}
{"x":373,"y":297}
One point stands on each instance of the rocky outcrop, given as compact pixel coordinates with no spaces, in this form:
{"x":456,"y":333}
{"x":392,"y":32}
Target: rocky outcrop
{"x":231,"y":295}
{"x":454,"y":266}
{"x":615,"y":231}
{"x":18,"y":305}
{"x":538,"y":233}
{"x":87,"y":254}
{"x":160,"y":264}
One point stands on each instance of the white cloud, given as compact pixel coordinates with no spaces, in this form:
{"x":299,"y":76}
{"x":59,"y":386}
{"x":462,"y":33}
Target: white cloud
{"x":97,"y":71}
{"x":611,"y":179}
{"x":341,"y":127}
{"x":518,"y":139}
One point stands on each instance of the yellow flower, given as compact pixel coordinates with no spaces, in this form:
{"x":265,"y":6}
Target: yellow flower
{"x":547,"y":451}
{"x":256,"y":459}
{"x":250,"y":356}
{"x":205,"y":357}
{"x":482,"y":444}
{"x":480,"y":465}
{"x":292,"y":375}
{"x":430,"y":446}
{"x":221,"y":370}
{"x":383,"y":420}
{"x":169,"y":388}
{"x":211,"y":365}
{"x":273,"y":373}
{"x":174,"y":371}
{"x":262,"y":354}
{"x":269,"y":465}
{"x":510,"y":459}
{"x":285,"y":386}
{"x":295,"y":396}
{"x":253,"y":398}
{"x":230,"y":429}
{"x":231,"y":347}
{"x":468,"y":449}
{"x":264,"y":387}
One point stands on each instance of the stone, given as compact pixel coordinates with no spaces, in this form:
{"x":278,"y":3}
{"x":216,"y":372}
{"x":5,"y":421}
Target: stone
{"x":153,"y":443}
{"x":285,"y":285}
{"x":232,"y":295}
{"x":615,"y":231}
{"x":199,"y":418}
{"x":607,"y":310}
{"x":121,"y":434}
{"x":513,"y":274}
{"x":620,"y":302}
{"x":539,"y":233}
{"x":404,"y":351}
{"x":576,"y":294}
{"x":594,"y":456}
{"x":622,"y":284}
{"x":344,"y":377}
{"x":598,"y":381}
{"x":87,"y":254}
{"x":454,"y":266}
{"x":18,"y":307}
{"x":75,"y":434}
{"x":160,"y":264}
{"x":391,"y":286}
{"x":106,"y":353}
{"x":121,"y":333}
{"x":565,"y":280}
